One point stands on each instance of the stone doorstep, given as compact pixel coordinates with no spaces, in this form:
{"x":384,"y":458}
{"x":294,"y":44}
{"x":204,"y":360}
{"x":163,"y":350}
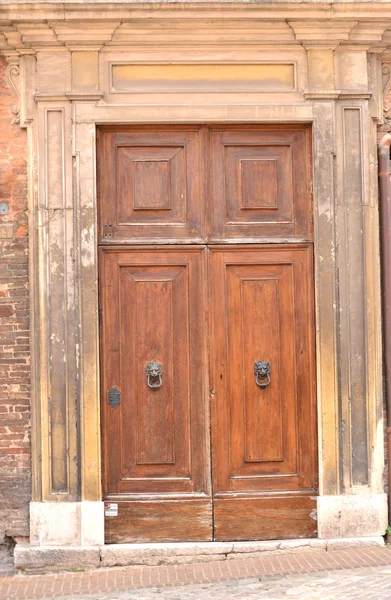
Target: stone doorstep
{"x":46,"y":559}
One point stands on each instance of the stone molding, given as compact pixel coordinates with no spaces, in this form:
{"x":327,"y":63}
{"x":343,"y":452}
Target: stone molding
{"x":129,"y":24}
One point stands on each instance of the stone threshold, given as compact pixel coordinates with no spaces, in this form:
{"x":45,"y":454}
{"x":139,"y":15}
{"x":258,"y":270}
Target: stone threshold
{"x":46,"y":559}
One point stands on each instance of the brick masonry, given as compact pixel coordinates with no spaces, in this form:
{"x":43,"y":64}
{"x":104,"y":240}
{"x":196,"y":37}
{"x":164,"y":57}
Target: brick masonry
{"x":15,"y":454}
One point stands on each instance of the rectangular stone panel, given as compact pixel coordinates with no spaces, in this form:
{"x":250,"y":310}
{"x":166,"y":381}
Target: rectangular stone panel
{"x":85,"y":71}
{"x":56,"y":305}
{"x":353,"y":369}
{"x":203,"y":77}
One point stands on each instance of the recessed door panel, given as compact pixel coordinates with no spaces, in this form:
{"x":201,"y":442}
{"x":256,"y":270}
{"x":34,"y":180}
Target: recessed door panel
{"x":156,"y":434}
{"x":260,"y":182}
{"x":151,"y":183}
{"x":262,"y":372}
{"x":261,"y":313}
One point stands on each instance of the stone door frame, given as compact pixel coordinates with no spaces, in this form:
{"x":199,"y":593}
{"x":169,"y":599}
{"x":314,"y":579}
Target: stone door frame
{"x":337,"y":90}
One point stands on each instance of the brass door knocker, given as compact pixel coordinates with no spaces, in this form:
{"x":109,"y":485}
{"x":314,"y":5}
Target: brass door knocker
{"x":262,"y":371}
{"x":154,"y":371}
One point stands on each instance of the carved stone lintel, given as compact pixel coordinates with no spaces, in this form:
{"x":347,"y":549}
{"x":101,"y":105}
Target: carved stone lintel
{"x":12,"y":74}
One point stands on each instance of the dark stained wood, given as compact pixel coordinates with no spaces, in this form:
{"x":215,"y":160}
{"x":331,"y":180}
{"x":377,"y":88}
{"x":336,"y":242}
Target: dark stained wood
{"x":160,"y":521}
{"x":263,"y":440}
{"x":260,"y":182}
{"x":267,"y":518}
{"x":153,"y":309}
{"x":151,"y":184}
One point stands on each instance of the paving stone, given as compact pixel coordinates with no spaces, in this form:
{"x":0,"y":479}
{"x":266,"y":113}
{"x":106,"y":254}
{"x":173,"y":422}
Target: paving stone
{"x":303,"y":576}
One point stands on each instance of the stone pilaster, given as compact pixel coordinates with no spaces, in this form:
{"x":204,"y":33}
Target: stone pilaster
{"x":55,"y":272}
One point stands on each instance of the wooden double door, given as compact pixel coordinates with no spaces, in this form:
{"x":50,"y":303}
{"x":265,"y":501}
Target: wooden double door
{"x":207,"y":337}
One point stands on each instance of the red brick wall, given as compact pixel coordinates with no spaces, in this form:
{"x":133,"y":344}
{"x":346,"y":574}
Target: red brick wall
{"x":15,"y":467}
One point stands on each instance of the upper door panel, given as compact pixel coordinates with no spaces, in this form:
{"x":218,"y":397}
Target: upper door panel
{"x":245,"y":183}
{"x":151,"y":183}
{"x":260,"y":182}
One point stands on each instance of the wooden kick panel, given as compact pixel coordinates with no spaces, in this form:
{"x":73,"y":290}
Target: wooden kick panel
{"x":275,"y":518}
{"x":160,"y":521}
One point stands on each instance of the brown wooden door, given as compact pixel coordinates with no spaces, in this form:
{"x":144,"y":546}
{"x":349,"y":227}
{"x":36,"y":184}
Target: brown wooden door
{"x":206,"y":313}
{"x":263,"y":438}
{"x":155,"y":431}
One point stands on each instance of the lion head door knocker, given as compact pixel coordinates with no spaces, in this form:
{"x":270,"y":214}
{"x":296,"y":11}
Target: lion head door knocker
{"x":154,"y":371}
{"x":261,"y":372}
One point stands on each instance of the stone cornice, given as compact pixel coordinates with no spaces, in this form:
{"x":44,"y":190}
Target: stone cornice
{"x":28,"y":27}
{"x":300,"y":9}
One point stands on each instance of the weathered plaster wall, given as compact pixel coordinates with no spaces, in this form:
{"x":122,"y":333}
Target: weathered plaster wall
{"x":15,"y":467}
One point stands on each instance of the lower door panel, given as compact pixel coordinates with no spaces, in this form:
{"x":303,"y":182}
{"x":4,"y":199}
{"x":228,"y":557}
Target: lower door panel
{"x":264,"y":518}
{"x":155,"y":426}
{"x":263,"y":392}
{"x":180,"y":520}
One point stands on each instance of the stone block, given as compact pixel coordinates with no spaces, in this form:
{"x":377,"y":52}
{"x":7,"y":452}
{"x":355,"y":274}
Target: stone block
{"x":67,"y":523}
{"x":302,"y":545}
{"x":351,"y":69}
{"x":349,"y":543}
{"x":251,"y":547}
{"x":321,"y":69}
{"x":352,"y":516}
{"x":157,"y":554}
{"x":85,"y":76}
{"x":54,"y":70}
{"x":37,"y":559}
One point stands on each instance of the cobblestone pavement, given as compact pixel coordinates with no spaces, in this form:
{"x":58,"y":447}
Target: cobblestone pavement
{"x":367,"y":583}
{"x":355,"y":572}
